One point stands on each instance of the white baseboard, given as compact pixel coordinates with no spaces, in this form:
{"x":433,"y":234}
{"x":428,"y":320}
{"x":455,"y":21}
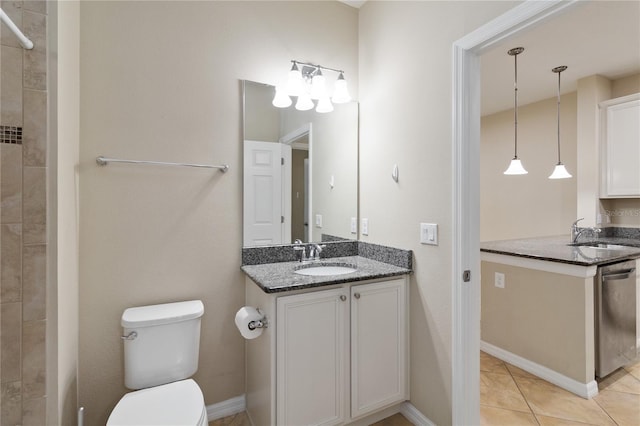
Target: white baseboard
{"x":226,"y":408}
{"x":238,"y":404}
{"x":585,"y":390}
{"x":414,"y":416}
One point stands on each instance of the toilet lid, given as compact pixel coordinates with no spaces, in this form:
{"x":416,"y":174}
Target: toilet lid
{"x":179,"y":403}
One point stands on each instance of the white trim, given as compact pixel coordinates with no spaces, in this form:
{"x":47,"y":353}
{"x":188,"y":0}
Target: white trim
{"x":466,"y":207}
{"x":541,"y":265}
{"x":414,"y":416}
{"x":226,"y":408}
{"x":296,"y":134}
{"x":585,"y":390}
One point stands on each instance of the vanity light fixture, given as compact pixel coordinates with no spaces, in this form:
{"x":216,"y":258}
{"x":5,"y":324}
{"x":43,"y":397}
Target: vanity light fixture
{"x":515,"y":167}
{"x":559,"y":172}
{"x":307,"y":82}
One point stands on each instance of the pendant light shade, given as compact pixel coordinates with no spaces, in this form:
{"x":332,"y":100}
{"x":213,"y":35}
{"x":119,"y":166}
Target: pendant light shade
{"x":559,"y":172}
{"x":515,"y":167}
{"x":304,"y":102}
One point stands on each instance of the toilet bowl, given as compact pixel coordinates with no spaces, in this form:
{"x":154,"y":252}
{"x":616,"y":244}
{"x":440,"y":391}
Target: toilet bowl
{"x":160,"y":354}
{"x":174,"y":404}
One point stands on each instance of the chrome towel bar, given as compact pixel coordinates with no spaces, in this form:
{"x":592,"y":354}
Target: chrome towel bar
{"x":103,"y":161}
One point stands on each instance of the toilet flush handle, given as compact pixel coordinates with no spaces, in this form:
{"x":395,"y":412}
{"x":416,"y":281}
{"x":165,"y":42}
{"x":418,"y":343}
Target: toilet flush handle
{"x":130,"y":336}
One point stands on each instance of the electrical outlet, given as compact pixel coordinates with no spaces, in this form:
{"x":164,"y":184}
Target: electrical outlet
{"x":499,"y":280}
{"x":365,"y":226}
{"x":354,"y":225}
{"x":318,"y":221}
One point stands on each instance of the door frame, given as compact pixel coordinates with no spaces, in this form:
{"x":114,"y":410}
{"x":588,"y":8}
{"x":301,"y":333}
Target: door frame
{"x":466,"y":195}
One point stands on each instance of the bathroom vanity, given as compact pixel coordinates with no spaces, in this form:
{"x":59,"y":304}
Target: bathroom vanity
{"x":335,"y":350}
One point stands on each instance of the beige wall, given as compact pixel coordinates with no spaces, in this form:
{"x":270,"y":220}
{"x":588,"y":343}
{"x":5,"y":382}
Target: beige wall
{"x":530,"y":205}
{"x":405,"y":111}
{"x":541,"y":316}
{"x":67,"y":106}
{"x":161,"y":81}
{"x":26,"y":318}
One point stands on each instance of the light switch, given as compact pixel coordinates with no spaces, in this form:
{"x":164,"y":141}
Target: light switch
{"x":429,"y":233}
{"x":499,"y":280}
{"x":365,"y":226}
{"x":354,"y":225}
{"x":318,"y":221}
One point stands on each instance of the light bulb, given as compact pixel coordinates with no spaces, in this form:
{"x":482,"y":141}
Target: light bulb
{"x":560,"y":172}
{"x":341,"y":93}
{"x":515,"y":168}
{"x":304,"y":102}
{"x":281,"y":99}
{"x":324,"y":105}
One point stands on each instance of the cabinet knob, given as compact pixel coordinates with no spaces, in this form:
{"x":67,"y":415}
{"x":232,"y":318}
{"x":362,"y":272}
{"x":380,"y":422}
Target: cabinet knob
{"x":356,"y":295}
{"x":343,"y":297}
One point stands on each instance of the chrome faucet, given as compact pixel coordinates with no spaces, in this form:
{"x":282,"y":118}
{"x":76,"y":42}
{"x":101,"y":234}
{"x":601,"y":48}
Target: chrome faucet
{"x":576,"y":232}
{"x":301,"y":248}
{"x":315,"y":250}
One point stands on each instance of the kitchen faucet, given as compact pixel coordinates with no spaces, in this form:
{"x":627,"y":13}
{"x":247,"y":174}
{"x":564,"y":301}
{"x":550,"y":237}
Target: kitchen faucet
{"x":576,"y":232}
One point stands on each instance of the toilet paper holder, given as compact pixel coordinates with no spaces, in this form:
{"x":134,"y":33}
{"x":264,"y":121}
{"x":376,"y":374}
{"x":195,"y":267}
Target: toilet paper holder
{"x":259,"y":323}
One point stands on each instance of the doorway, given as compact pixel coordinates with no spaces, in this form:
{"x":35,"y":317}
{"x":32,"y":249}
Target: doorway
{"x":466,"y":203}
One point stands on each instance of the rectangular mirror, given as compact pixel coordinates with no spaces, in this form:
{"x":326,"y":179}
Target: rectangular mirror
{"x":300,"y":171}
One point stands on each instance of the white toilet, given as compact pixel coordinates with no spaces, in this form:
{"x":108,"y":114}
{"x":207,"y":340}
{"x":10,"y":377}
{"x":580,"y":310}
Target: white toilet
{"x":161,"y":344}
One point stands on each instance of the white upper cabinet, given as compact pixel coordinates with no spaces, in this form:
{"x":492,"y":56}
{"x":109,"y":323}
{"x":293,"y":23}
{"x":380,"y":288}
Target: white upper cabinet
{"x":620,"y":147}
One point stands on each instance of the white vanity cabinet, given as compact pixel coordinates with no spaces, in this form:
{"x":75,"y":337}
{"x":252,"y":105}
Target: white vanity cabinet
{"x":620,"y":147}
{"x":339,"y":355}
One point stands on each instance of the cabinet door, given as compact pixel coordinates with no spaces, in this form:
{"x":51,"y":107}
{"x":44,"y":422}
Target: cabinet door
{"x":312,"y":358}
{"x":378,"y":345}
{"x":621,"y":177}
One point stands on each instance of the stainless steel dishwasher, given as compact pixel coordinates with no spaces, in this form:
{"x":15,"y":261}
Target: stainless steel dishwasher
{"x":615,"y":316}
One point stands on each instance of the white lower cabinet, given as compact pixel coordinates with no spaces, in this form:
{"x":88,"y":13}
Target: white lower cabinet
{"x":341,"y":354}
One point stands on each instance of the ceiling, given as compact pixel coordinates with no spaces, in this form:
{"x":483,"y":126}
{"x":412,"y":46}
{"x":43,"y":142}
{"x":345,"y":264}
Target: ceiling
{"x":591,"y":37}
{"x":596,"y":37}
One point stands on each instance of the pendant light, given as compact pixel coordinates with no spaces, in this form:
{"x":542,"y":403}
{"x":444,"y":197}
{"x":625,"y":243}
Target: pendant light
{"x":515,"y":167}
{"x":559,"y":172}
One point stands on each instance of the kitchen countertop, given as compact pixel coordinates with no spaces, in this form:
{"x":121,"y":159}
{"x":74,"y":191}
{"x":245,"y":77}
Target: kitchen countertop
{"x":556,"y":249}
{"x":280,"y":276}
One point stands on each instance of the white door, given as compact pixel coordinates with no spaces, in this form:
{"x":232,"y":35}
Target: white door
{"x":378,"y":345}
{"x":262,"y":187}
{"x":312,"y":358}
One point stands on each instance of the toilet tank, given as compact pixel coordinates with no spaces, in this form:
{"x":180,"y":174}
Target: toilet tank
{"x":162,"y":344}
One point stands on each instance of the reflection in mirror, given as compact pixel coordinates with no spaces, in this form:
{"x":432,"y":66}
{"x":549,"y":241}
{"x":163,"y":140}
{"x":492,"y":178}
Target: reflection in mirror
{"x":300,"y":178}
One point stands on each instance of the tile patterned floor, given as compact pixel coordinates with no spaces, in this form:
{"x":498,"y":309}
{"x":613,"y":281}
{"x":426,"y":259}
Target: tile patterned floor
{"x":511,"y":396}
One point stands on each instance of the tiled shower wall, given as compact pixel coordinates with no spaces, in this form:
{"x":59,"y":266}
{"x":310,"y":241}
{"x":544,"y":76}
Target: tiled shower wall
{"x":23,"y":242}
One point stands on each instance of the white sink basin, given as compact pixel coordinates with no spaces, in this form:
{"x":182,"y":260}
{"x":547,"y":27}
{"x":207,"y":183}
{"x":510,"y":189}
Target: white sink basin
{"x":604,"y":246}
{"x":325,"y":270}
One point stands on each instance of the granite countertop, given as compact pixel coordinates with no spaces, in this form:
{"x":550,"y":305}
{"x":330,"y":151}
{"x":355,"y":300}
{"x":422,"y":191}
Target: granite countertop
{"x":279,"y":276}
{"x":557,"y":249}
